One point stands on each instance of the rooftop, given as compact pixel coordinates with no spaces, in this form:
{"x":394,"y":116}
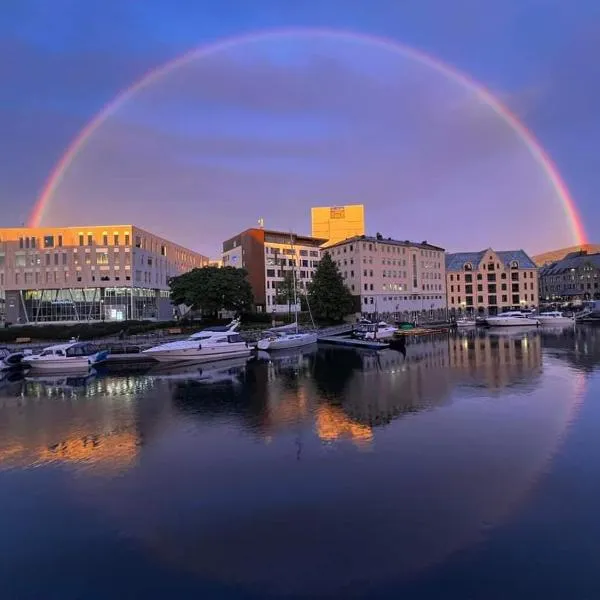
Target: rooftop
{"x":383,"y":240}
{"x":572,"y":261}
{"x":457,"y":261}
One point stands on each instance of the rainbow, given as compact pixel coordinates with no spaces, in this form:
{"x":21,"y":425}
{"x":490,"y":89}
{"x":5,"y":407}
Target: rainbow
{"x":484,"y":95}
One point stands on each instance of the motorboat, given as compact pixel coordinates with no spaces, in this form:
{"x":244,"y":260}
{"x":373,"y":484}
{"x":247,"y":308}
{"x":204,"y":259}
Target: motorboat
{"x":465,"y":322}
{"x":554,"y":318}
{"x":375,"y":331}
{"x":11,"y":360}
{"x":214,"y":343}
{"x":512,"y":319}
{"x":285,"y":337}
{"x":62,"y":358}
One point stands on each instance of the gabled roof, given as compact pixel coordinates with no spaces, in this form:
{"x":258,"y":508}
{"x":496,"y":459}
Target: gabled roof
{"x":457,"y":261}
{"x":571,"y":262}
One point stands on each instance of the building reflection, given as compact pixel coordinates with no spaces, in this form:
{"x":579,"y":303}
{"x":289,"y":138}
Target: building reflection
{"x":495,"y":360}
{"x":579,"y":346}
{"x":84,"y":421}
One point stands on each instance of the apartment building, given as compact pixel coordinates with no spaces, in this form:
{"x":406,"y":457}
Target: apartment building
{"x":391,"y":277}
{"x":489,"y":282}
{"x":267,"y":255}
{"x":337,"y":223}
{"x":574,"y":278}
{"x":89,"y":273}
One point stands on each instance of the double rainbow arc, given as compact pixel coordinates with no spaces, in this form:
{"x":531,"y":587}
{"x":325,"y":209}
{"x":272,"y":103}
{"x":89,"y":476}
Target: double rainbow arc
{"x":484,"y":95}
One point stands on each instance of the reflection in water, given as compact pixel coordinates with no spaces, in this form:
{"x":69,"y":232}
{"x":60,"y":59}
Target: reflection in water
{"x":255,"y":468}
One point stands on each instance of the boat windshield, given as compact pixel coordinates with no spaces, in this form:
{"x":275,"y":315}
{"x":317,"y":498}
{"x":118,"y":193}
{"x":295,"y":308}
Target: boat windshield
{"x":80,"y":350}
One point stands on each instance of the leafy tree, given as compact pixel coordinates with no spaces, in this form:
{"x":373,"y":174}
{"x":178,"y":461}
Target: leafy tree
{"x":328,"y":295}
{"x":212,"y":289}
{"x":285,"y":290}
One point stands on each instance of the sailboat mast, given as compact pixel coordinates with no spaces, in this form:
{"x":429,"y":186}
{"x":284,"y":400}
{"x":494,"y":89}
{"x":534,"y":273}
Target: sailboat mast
{"x":294,"y":281}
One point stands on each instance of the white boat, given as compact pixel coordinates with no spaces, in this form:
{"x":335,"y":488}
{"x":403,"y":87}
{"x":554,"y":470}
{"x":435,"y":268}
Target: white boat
{"x":376,"y":331}
{"x":63,"y":358}
{"x":11,"y":360}
{"x":512,"y":319}
{"x":554,"y":318}
{"x":465,"y":322}
{"x":284,"y":338}
{"x":287,"y":336}
{"x":214,"y":343}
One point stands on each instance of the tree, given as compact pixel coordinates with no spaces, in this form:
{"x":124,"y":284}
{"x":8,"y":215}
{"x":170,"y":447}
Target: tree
{"x":329,"y":297}
{"x":285,"y":290}
{"x":212,"y":289}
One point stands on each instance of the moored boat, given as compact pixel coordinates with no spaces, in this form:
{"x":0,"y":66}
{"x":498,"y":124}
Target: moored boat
{"x":554,"y":318}
{"x":512,"y":319}
{"x":285,"y":338}
{"x":214,"y":343}
{"x":375,"y":331}
{"x":11,"y":360}
{"x":465,"y":322}
{"x":62,"y":358}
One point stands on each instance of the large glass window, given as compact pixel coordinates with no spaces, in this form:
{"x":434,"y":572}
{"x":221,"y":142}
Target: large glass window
{"x":48,"y":241}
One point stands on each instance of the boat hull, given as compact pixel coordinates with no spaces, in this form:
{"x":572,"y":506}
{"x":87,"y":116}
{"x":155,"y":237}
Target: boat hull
{"x":195,"y":355}
{"x":511,"y":322}
{"x":65,"y":365}
{"x":284,"y":343}
{"x":556,"y":321}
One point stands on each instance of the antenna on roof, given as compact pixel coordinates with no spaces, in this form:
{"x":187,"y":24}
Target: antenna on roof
{"x":261,"y":223}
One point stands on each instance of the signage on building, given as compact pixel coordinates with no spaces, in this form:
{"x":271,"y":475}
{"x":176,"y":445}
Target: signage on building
{"x":337,"y":212}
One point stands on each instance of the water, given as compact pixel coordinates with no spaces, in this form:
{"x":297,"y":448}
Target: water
{"x":467,"y":469}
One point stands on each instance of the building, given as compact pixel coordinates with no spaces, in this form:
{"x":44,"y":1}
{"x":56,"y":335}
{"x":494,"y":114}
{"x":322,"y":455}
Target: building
{"x":337,"y":223}
{"x":267,"y":256}
{"x":489,"y":282}
{"x":555,"y":255}
{"x":572,"y":279}
{"x":89,"y":273}
{"x":393,"y":278}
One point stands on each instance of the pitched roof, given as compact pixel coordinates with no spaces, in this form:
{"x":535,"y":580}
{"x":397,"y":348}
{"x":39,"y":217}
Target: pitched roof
{"x":457,"y":261}
{"x":381,"y":240}
{"x":571,"y":262}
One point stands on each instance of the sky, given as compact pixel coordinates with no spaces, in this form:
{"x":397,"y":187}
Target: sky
{"x":268,"y":127}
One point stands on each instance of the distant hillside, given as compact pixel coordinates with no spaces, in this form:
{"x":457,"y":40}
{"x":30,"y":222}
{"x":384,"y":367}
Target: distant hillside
{"x":554,"y":255}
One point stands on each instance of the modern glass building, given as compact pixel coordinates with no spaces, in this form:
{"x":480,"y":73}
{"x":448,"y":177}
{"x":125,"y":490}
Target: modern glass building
{"x":99,"y":273}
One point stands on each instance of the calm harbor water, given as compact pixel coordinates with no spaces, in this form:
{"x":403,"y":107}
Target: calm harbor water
{"x":466,"y":469}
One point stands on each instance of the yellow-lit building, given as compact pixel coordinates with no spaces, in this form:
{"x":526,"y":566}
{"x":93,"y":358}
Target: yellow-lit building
{"x":337,"y":223}
{"x":89,"y":273}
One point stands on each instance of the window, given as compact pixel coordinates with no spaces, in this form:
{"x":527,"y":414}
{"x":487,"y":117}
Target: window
{"x":60,"y":241}
{"x":127,"y":239}
{"x":468,"y":278}
{"x":270,"y":272}
{"x":515,"y":287}
{"x":105,"y":239}
{"x":90,"y":239}
{"x":55,"y":259}
{"x":468,"y":289}
{"x":503,"y":276}
{"x":81,"y":239}
{"x":138,"y":241}
{"x":48,"y":241}
{"x":503,"y":286}
{"x":47,"y":259}
{"x":479,"y":287}
{"x":491,"y":277}
{"x":64,"y":258}
{"x":492,"y":300}
{"x":515,"y":299}
{"x":20,"y":260}
{"x":101,"y":258}
{"x":479,"y":299}
{"x":504,"y":298}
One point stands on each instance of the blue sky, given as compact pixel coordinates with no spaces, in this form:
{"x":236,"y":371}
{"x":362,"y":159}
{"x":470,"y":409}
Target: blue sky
{"x":234,"y":137}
